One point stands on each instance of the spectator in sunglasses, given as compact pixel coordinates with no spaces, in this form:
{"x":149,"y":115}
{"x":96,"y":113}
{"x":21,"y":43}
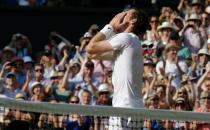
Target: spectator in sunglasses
{"x":205,"y":107}
{"x":31,"y":77}
{"x":153,"y":33}
{"x":148,"y":48}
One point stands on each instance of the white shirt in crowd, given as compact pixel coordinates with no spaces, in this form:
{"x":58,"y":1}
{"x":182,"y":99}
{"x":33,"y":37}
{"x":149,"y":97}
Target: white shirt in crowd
{"x":171,"y":68}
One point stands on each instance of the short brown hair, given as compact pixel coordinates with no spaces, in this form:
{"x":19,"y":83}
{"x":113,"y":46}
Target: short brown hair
{"x":142,"y":22}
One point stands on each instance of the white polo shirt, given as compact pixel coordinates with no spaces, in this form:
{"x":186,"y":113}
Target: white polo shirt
{"x":127,"y":70}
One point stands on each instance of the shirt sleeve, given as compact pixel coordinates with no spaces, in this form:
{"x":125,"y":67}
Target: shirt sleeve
{"x":120,"y":41}
{"x":159,"y":66}
{"x":183,"y":67}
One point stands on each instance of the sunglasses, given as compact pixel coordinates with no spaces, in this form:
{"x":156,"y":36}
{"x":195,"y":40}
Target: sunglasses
{"x":201,"y":54}
{"x":147,"y":46}
{"x":206,"y":98}
{"x":103,"y":93}
{"x":54,"y":78}
{"x":75,"y":102}
{"x":180,"y":104}
{"x":39,"y":70}
{"x":19,"y":64}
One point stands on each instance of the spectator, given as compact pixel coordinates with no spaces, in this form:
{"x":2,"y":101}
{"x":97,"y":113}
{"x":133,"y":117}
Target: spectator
{"x":205,"y":107}
{"x":192,"y":38}
{"x":77,"y":122}
{"x":21,"y":44}
{"x":28,"y":63}
{"x":184,"y":8}
{"x":203,"y":58}
{"x":11,"y":87}
{"x":89,"y":81}
{"x":103,"y":95}
{"x":152,"y":34}
{"x":180,"y":105}
{"x":60,"y":90}
{"x":8,"y":53}
{"x":164,"y":30}
{"x":171,"y":65}
{"x":49,"y":67}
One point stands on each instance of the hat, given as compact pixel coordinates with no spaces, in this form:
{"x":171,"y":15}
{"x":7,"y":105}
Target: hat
{"x":10,"y":74}
{"x":203,"y":51}
{"x":54,"y":75}
{"x":103,"y":88}
{"x":8,"y":49}
{"x":153,"y":96}
{"x":178,"y":18}
{"x":27,"y":59}
{"x":205,"y":94}
{"x":161,"y":80}
{"x":19,"y":96}
{"x":166,"y":24}
{"x":147,"y":42}
{"x":194,"y":16}
{"x":169,"y":46}
{"x":196,"y":2}
{"x":74,"y":62}
{"x":148,"y":61}
{"x":186,"y":78}
{"x":34,"y":84}
{"x":62,"y":45}
{"x":180,"y":100}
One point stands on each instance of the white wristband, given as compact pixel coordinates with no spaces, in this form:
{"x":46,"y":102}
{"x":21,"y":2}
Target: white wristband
{"x":108,"y":31}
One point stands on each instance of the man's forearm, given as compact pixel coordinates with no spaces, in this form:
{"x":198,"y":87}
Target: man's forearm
{"x":104,"y":34}
{"x":99,"y":43}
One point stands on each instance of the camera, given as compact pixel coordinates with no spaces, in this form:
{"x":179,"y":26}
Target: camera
{"x":12,"y":64}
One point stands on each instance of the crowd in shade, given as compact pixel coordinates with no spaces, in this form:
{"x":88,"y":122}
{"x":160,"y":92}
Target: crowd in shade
{"x":176,"y":55}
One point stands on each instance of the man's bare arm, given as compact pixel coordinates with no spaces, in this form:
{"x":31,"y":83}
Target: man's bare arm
{"x":98,"y":44}
{"x":102,"y":56}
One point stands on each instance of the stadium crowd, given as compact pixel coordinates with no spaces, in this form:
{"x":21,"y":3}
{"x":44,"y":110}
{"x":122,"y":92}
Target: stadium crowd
{"x":176,"y":55}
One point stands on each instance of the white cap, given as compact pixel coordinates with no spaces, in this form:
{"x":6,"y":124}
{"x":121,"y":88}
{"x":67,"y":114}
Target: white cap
{"x":27,"y":59}
{"x":34,"y":84}
{"x":61,"y":46}
{"x":147,"y":42}
{"x":203,"y":51}
{"x":103,"y":88}
{"x":194,"y":16}
{"x":167,"y":24}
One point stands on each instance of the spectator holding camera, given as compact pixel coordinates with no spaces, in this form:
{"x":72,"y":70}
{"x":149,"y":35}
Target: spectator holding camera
{"x":21,"y":45}
{"x":200,"y":66}
{"x":165,"y":14}
{"x":184,"y":7}
{"x":192,"y":35}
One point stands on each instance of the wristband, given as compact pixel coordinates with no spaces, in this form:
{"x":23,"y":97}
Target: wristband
{"x":108,"y":31}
